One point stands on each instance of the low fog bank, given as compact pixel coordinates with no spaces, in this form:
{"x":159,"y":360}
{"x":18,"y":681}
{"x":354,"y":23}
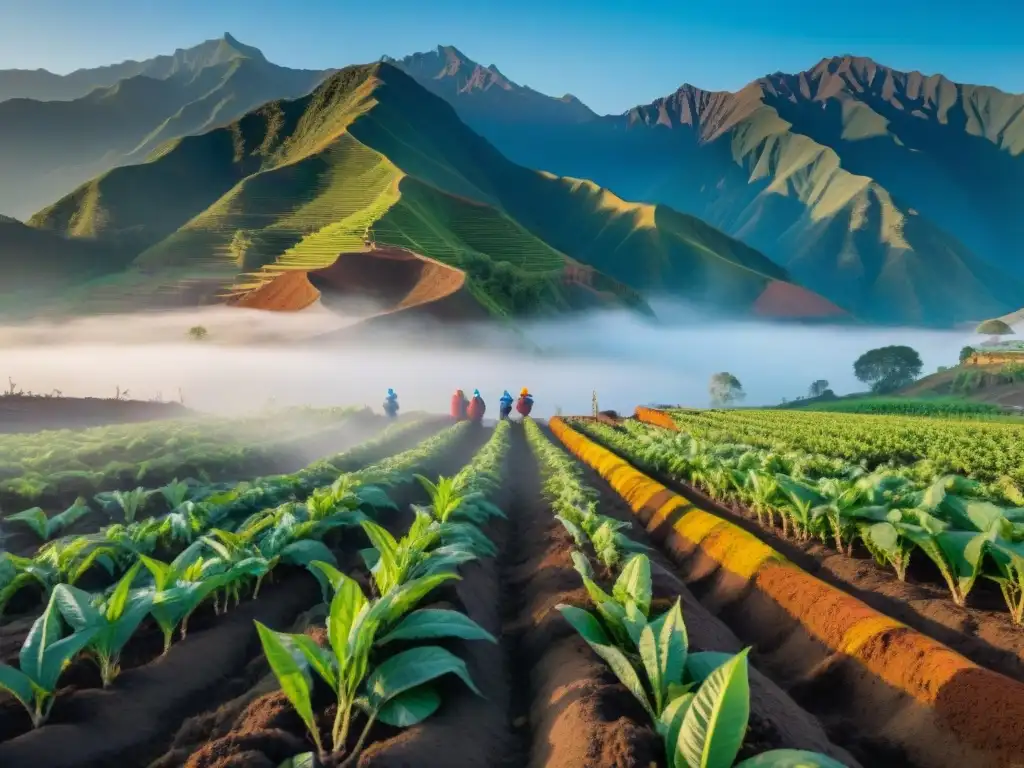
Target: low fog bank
{"x":252,"y":357}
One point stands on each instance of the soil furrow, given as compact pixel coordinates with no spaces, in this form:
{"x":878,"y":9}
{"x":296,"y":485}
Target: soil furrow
{"x":580,"y":716}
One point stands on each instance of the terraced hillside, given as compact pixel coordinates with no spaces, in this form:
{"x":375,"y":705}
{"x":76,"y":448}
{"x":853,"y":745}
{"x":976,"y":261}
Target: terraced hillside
{"x":892,"y":194}
{"x":369,"y":161}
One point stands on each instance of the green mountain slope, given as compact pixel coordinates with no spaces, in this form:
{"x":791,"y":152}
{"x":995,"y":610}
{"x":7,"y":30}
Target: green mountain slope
{"x":53,"y":146}
{"x":893,"y":195}
{"x":35,"y":264}
{"x":370,"y":161}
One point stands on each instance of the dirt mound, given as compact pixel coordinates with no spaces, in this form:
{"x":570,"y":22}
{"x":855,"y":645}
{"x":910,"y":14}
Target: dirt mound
{"x":379,"y":282}
{"x":786,"y":300}
{"x":32,"y":413}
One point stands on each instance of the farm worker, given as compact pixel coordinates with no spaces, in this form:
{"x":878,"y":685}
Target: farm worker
{"x":459,"y":404}
{"x":391,"y":404}
{"x":505,"y":405}
{"x":525,"y":402}
{"x":476,"y":407}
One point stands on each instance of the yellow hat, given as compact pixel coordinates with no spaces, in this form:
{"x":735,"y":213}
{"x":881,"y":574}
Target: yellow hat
{"x":524,"y":392}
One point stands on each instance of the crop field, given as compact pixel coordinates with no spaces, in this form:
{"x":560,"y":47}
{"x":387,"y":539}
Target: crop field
{"x":429,"y":593}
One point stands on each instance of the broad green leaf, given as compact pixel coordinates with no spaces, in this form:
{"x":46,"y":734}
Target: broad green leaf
{"x":716,"y":721}
{"x":118,"y":599}
{"x":57,"y":656}
{"x":394,"y":605}
{"x":634,"y":583}
{"x":663,"y":648}
{"x":669,"y":725}
{"x":75,"y":605}
{"x":411,"y":707}
{"x":18,"y":684}
{"x":293,"y":681}
{"x":584,"y":623}
{"x":327,"y":575}
{"x":34,"y":518}
{"x":346,"y":604}
{"x":790,"y":758}
{"x":431,"y":623}
{"x":45,"y":631}
{"x":305,"y":552}
{"x":320,"y":660}
{"x":374,"y":497}
{"x":409,"y":669}
{"x":590,"y":630}
{"x":701,"y":664}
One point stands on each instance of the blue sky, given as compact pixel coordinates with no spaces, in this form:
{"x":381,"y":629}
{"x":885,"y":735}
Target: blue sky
{"x":612,"y":54}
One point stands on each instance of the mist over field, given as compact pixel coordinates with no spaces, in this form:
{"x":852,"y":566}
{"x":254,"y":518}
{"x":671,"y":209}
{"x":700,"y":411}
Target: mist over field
{"x":252,"y":357}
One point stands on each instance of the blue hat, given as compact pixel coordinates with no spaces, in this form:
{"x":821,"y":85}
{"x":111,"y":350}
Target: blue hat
{"x":391,"y":391}
{"x":476,"y":393}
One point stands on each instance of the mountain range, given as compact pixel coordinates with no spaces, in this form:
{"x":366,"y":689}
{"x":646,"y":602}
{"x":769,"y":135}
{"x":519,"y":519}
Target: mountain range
{"x":894,"y":195}
{"x":898,"y":195}
{"x":58,"y":132}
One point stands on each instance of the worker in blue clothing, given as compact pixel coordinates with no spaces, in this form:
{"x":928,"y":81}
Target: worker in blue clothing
{"x":391,"y":404}
{"x":505,"y":406}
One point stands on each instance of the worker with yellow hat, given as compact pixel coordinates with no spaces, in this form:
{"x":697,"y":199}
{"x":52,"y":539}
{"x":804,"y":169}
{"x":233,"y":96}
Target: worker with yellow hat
{"x":525,"y":402}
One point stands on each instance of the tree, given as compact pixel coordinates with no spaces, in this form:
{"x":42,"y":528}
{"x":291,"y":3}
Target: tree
{"x":198,"y":333}
{"x":887,"y":369}
{"x":818,"y":388}
{"x":725,"y":389}
{"x":995,"y":329}
{"x":965,"y":354}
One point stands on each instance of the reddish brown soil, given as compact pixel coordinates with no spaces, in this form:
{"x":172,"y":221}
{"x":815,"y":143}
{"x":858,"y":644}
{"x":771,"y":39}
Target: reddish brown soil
{"x":394,"y":279}
{"x":786,"y":300}
{"x":579,"y":714}
{"x":33,"y":413}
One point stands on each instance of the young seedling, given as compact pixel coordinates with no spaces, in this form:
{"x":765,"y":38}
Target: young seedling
{"x":114,"y":619}
{"x":395,"y":691}
{"x":131,"y":502}
{"x":35,"y":518}
{"x":44,"y":655}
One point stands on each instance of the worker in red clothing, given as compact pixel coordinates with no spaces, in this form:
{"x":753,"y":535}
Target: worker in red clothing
{"x":459,"y":404}
{"x":476,"y":407}
{"x":525,"y":403}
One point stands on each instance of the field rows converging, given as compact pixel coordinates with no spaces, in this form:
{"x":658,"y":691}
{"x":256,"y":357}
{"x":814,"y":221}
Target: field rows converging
{"x":437,"y":594}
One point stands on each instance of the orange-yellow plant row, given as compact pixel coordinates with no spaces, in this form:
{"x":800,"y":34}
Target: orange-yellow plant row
{"x":943,"y":709}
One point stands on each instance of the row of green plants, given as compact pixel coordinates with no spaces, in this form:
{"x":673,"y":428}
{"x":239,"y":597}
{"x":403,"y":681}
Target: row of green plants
{"x":114,"y":549}
{"x":697,"y":701}
{"x":46,"y":466}
{"x":949,"y":519}
{"x":933,"y":407}
{"x":221,"y":564}
{"x":989,"y":451}
{"x":366,"y":676}
{"x":574,"y":503}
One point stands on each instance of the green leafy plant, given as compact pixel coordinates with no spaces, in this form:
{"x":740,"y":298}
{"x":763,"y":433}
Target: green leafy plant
{"x":46,"y":652}
{"x":131,"y":502}
{"x":35,"y":518}
{"x":115,"y":619}
{"x":395,"y":690}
